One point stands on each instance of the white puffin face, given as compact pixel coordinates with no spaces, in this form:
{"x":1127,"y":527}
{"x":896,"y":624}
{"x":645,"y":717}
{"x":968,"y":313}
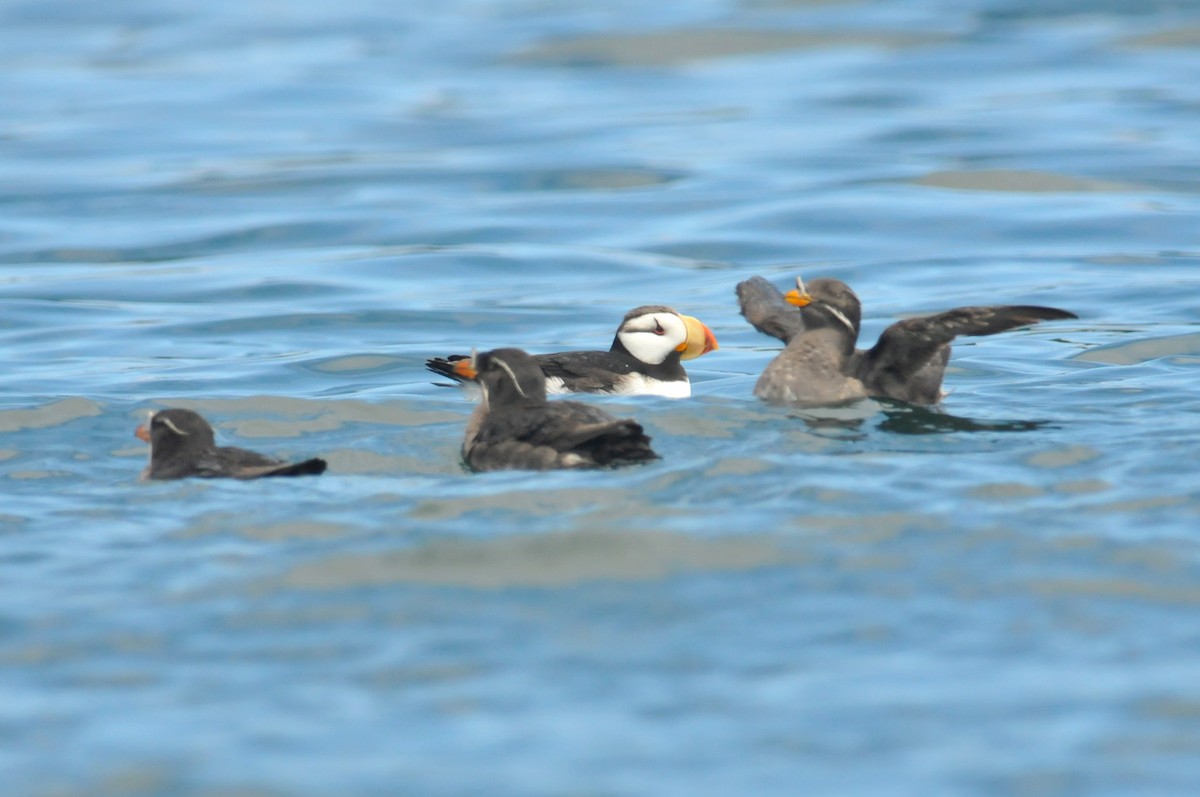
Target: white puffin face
{"x":651,"y":337}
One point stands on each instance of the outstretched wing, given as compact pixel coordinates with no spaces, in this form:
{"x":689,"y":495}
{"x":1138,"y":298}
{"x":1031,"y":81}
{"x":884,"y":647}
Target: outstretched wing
{"x":914,"y":345}
{"x":763,"y":306}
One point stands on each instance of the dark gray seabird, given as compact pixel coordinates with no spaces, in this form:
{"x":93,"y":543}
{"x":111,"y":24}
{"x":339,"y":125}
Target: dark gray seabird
{"x":516,"y":428}
{"x":645,"y":358}
{"x":820,"y":325}
{"x":182,"y":444}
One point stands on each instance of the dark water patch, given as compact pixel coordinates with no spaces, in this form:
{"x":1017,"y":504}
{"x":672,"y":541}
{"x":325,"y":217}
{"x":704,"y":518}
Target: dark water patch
{"x":1140,"y":351}
{"x":355,"y":363}
{"x":544,"y":561}
{"x":1119,"y":589}
{"x":591,"y":180}
{"x":324,"y":414}
{"x":1021,"y":181}
{"x":678,"y":47}
{"x":1184,"y":36}
{"x":260,"y":238}
{"x":407,"y":181}
{"x":914,"y":419}
{"x":56,"y":413}
{"x":439,"y":458}
{"x":1065,"y":457}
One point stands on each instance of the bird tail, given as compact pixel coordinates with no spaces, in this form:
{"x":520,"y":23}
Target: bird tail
{"x":309,"y":467}
{"x":622,"y":442}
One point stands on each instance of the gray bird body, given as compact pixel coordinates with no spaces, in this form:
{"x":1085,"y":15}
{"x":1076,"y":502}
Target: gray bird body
{"x":182,"y":445}
{"x":821,"y":364}
{"x":516,"y":427}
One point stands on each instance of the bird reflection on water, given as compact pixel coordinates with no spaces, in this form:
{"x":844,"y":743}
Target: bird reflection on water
{"x":903,"y":418}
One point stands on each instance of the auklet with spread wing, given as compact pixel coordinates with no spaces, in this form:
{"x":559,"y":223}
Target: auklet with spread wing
{"x":516,"y":428}
{"x":821,"y":365}
{"x":644,"y":360}
{"x":182,"y":444}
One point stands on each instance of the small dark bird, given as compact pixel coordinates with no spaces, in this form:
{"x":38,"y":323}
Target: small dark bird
{"x":644,"y":359}
{"x":820,"y":325}
{"x":182,"y":445}
{"x":516,"y":428}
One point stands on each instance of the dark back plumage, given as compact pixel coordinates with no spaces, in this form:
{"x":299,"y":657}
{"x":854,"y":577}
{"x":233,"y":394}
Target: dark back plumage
{"x":516,"y":427}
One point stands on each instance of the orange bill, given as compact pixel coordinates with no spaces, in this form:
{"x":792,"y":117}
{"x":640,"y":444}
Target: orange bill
{"x":797,"y":298}
{"x":700,"y":339}
{"x":465,"y":369}
{"x":142,"y":433}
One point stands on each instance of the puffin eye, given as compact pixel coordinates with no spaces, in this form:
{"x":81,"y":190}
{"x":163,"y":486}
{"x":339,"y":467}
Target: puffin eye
{"x":658,"y":328}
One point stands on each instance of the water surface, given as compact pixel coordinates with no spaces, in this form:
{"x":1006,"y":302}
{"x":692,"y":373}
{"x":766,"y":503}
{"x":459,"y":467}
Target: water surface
{"x":274,"y":213}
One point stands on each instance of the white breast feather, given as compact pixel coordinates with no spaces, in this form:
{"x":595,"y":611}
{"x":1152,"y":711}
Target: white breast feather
{"x":631,"y":385}
{"x":641,"y":385}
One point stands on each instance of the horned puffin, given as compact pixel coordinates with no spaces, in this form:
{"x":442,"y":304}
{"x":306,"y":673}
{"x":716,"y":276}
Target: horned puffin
{"x":644,"y":359}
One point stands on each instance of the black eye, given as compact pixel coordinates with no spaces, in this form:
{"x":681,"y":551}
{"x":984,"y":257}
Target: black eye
{"x":658,"y":330}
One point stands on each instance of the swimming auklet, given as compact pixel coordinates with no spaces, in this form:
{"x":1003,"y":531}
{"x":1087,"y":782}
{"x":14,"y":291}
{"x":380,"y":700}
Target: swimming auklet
{"x":516,"y":428}
{"x":182,"y":445}
{"x":644,"y":359}
{"x":821,"y":365}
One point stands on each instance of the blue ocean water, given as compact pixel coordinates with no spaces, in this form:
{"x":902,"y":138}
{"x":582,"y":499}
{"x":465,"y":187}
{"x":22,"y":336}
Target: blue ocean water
{"x":274,"y":212}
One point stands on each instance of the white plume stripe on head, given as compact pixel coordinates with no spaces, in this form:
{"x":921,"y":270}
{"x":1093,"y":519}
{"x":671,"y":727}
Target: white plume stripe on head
{"x":171,"y":425}
{"x":509,"y":371}
{"x":840,"y":316}
{"x":638,"y":337}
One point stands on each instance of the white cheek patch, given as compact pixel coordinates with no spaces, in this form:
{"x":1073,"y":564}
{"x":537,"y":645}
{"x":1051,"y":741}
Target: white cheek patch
{"x":646,"y":346}
{"x":639,"y":339}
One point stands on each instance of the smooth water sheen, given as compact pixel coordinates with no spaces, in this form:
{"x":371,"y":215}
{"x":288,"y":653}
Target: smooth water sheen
{"x":274,"y":212}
